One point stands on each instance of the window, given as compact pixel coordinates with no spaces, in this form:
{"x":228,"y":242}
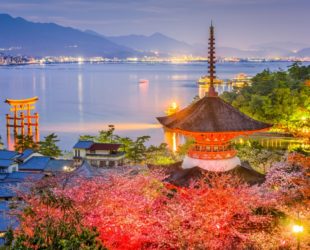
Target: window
{"x":77,"y":153}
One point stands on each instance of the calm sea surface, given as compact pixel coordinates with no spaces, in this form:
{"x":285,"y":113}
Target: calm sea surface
{"x":76,"y":99}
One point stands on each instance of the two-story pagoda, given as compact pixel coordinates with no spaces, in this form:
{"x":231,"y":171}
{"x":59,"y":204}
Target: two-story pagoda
{"x":213,"y":123}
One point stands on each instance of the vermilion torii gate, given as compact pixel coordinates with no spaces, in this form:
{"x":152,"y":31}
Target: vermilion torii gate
{"x":22,"y":121}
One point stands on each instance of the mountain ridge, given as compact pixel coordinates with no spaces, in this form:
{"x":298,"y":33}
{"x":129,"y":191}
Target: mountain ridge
{"x":23,"y":37}
{"x":50,"y":39}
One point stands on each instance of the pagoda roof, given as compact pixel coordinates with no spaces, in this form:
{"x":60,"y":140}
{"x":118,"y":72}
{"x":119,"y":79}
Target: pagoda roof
{"x":245,"y":173}
{"x":211,"y":114}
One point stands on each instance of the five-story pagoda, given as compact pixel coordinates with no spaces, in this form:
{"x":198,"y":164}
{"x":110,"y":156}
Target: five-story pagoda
{"x":213,"y":123}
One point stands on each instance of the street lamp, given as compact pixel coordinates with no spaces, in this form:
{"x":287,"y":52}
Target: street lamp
{"x":298,"y":229}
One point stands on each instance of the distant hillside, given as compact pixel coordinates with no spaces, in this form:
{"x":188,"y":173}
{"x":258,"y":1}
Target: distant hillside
{"x":21,"y":37}
{"x":49,"y":39}
{"x":302,"y":53}
{"x":167,"y":45}
{"x":155,"y":43}
{"x":288,"y":46}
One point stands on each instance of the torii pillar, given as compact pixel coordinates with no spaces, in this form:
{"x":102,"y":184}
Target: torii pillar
{"x":22,"y":121}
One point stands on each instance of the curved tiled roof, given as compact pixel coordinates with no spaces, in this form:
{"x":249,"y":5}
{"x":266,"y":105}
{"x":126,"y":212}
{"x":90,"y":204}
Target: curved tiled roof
{"x":7,"y":154}
{"x":244,"y":173}
{"x":83,"y":144}
{"x":104,"y":146}
{"x":211,"y":114}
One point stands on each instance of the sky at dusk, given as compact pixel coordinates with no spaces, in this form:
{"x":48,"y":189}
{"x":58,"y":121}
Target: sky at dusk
{"x":239,"y":23}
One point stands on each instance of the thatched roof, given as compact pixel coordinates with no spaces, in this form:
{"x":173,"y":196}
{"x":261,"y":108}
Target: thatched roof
{"x":211,"y":114}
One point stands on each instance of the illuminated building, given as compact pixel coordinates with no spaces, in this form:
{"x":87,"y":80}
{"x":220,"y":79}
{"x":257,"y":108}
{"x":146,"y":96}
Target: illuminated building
{"x":241,"y":80}
{"x":212,"y":123}
{"x":98,"y":154}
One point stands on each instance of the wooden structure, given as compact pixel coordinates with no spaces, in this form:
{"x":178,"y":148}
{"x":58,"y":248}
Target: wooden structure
{"x":213,"y":123}
{"x":98,"y":154}
{"x":210,"y":79}
{"x":22,"y":121}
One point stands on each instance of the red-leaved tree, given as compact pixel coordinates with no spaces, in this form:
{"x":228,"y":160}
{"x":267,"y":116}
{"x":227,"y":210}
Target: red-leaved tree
{"x":143,"y":212}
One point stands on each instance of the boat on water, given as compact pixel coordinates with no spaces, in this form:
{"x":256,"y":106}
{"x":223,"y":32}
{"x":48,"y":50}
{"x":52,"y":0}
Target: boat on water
{"x":205,"y":80}
{"x":143,"y":81}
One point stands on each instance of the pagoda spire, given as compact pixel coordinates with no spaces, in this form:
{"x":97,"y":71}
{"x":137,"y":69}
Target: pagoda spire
{"x":211,"y":61}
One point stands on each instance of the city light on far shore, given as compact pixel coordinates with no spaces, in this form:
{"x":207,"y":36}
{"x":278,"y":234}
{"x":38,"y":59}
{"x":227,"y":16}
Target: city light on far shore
{"x":80,"y":60}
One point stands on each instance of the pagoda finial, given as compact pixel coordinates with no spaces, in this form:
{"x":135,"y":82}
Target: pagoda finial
{"x":212,"y":60}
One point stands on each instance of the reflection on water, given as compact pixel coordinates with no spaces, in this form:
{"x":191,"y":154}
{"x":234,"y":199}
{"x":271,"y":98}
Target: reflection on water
{"x":173,"y":139}
{"x":75,"y":99}
{"x":143,"y":88}
{"x":80,"y":96}
{"x":179,"y":77}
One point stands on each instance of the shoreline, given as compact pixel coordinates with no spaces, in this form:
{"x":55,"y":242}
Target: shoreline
{"x":163,"y":61}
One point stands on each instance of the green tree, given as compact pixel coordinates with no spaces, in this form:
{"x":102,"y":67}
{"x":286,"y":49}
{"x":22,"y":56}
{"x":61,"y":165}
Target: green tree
{"x":297,"y":71}
{"x":279,"y":97}
{"x":160,"y":155}
{"x":25,"y":142}
{"x":107,"y":136}
{"x":137,"y":151}
{"x":126,"y":143}
{"x":49,"y":147}
{"x":87,"y":138}
{"x":183,"y":149}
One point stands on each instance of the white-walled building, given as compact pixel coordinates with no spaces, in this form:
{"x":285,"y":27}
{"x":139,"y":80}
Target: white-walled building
{"x":98,"y":154}
{"x":8,"y":161}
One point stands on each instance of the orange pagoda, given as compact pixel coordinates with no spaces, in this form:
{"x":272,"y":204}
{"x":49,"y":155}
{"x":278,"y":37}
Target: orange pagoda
{"x":213,"y":123}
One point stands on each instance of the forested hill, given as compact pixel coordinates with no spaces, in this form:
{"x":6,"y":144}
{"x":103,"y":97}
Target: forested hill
{"x":281,"y":98}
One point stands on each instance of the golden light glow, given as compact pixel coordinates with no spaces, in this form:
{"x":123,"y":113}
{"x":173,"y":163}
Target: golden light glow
{"x":80,"y":60}
{"x":174,"y":105}
{"x":172,"y":109}
{"x":96,"y":126}
{"x":67,"y":169}
{"x":297,"y":228}
{"x":174,"y":142}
